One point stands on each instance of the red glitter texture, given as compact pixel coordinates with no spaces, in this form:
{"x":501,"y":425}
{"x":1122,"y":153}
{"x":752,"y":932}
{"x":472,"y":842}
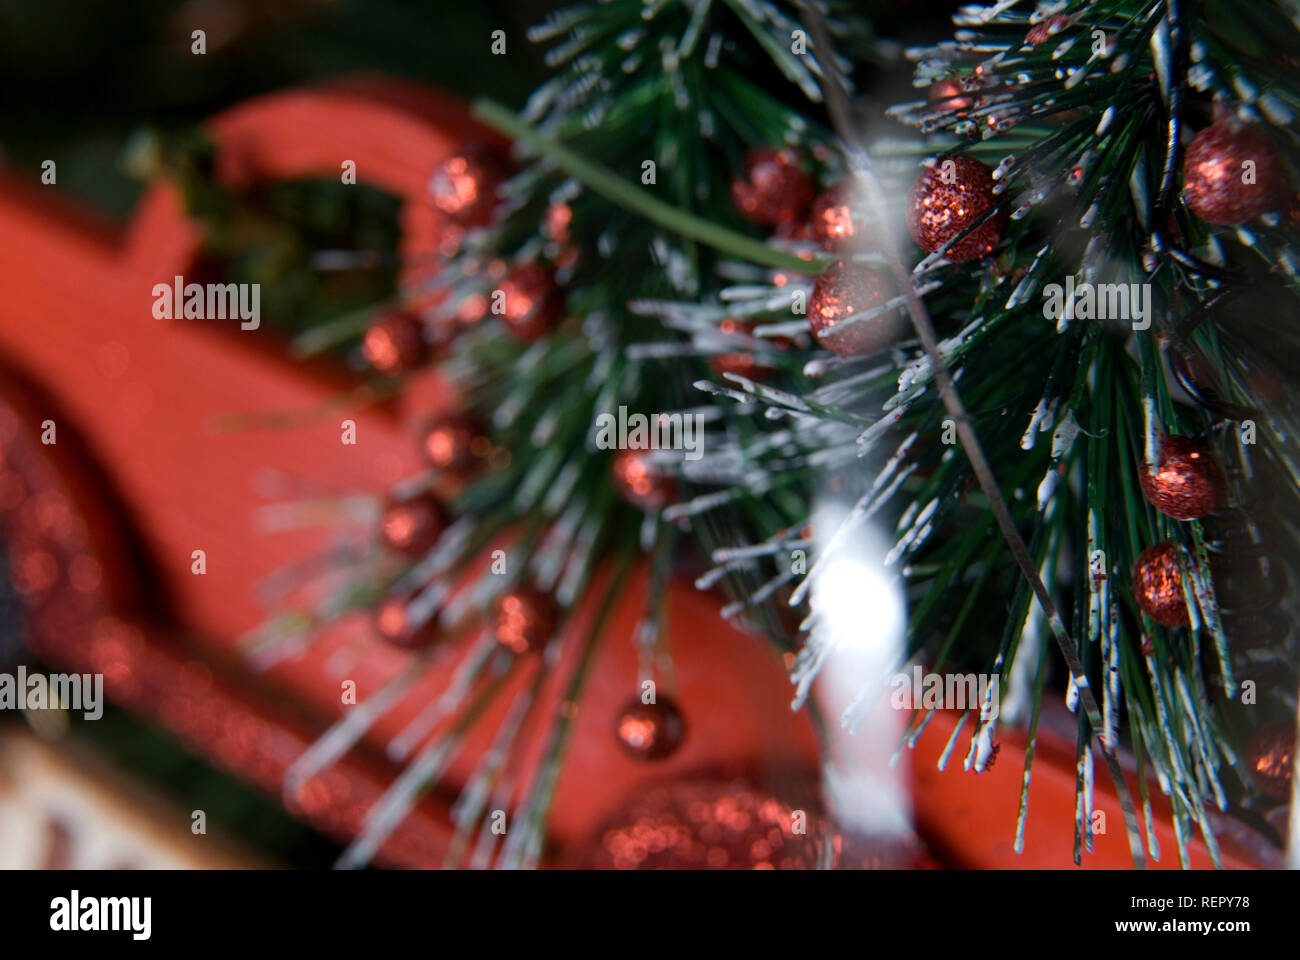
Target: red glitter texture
{"x":846,"y":289}
{"x":1187,"y":484}
{"x":1213,"y":172}
{"x":836,"y":222}
{"x":775,"y":190}
{"x":1158,"y":585}
{"x":938,"y":211}
{"x":709,"y":825}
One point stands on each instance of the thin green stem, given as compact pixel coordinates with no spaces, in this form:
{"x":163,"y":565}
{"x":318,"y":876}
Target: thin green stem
{"x":631,"y":197}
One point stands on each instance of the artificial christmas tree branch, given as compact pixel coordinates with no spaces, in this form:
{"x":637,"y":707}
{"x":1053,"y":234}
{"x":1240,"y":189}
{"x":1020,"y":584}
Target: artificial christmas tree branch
{"x":991,"y":93}
{"x":624,"y":194}
{"x":859,"y":162}
{"x":1060,"y":157}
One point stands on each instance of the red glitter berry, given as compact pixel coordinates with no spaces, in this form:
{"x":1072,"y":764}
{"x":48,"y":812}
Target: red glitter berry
{"x":837,"y":221}
{"x":1232,"y":173}
{"x":775,"y":190}
{"x":1187,"y":484}
{"x":949,"y":197}
{"x":844,"y":290}
{"x":1158,"y":585}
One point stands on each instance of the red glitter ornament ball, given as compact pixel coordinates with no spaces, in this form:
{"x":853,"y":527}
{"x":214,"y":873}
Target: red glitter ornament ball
{"x":650,"y":731}
{"x":1187,"y":484}
{"x":846,"y":289}
{"x":448,"y":443}
{"x":837,"y":221}
{"x":1158,"y":584}
{"x":945,"y":200}
{"x":1046,"y":29}
{"x":392,"y":620}
{"x":530,"y":301}
{"x":525,"y":620}
{"x":395,"y":342}
{"x":464,"y":186}
{"x":413,"y":526}
{"x":1220,"y":186}
{"x":1271,"y":759}
{"x":638,"y":483}
{"x":775,"y":190}
{"x":708,"y":825}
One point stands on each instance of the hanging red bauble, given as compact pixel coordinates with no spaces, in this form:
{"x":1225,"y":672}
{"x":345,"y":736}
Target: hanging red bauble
{"x":448,"y":443}
{"x":1232,"y":173}
{"x":650,"y":731}
{"x":413,"y":526}
{"x":1271,"y":759}
{"x":1046,"y":29}
{"x":846,"y":289}
{"x":775,"y":189}
{"x":392,"y":620}
{"x":945,"y":200}
{"x":743,"y":361}
{"x":837,"y":220}
{"x":638,"y":483}
{"x":1187,"y":484}
{"x":525,"y":620}
{"x":395,"y":342}
{"x":1158,"y":584}
{"x":531,"y":302}
{"x":708,"y":825}
{"x":464,"y":186}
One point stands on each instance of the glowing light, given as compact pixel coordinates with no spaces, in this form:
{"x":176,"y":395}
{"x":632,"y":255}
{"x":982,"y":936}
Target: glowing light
{"x":860,"y":619}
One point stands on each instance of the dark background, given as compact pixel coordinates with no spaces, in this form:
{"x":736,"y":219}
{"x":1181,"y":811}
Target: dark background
{"x":81,"y":76}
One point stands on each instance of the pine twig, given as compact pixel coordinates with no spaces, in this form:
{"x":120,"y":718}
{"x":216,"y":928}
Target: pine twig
{"x":859,"y":162}
{"x":628,"y":196}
